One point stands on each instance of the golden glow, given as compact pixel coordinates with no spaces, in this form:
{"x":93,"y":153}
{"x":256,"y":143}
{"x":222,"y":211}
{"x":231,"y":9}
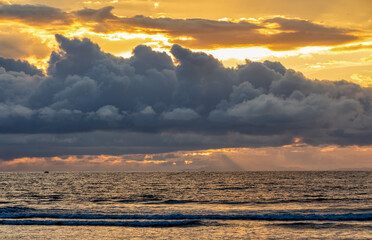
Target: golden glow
{"x":353,"y":46}
{"x":328,"y":149}
{"x":367,"y":59}
{"x":197,"y":154}
{"x":259,"y":53}
{"x":153,"y":161}
{"x":118,"y":36}
{"x":351,"y":61}
{"x":297,"y":156}
{"x":297,"y":142}
{"x":362,"y":79}
{"x":314,"y":61}
{"x":271,"y":28}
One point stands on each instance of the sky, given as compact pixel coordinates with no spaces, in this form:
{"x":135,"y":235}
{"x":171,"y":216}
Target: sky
{"x":142,"y":85}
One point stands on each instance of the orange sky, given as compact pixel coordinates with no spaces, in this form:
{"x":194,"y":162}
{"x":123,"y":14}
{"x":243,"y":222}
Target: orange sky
{"x":329,"y":35}
{"x":322,"y":39}
{"x":296,"y":157}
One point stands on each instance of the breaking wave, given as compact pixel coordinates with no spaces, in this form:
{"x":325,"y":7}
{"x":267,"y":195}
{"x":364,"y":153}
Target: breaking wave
{"x":102,"y":223}
{"x":262,"y":217}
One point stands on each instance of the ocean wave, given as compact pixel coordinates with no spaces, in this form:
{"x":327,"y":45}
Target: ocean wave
{"x":159,"y":200}
{"x":102,"y":223}
{"x":14,"y":209}
{"x":172,"y":201}
{"x":262,"y":217}
{"x":327,"y":225}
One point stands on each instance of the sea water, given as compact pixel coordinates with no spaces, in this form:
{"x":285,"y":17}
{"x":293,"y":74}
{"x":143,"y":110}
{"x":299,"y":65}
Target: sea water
{"x":186,"y":205}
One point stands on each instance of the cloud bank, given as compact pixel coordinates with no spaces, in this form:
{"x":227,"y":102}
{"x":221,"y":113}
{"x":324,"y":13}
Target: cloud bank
{"x":277,"y":33}
{"x":91,"y":102}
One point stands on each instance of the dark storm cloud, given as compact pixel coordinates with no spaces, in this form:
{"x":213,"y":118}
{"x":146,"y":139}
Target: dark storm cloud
{"x":102,"y":104}
{"x":118,"y":143}
{"x":19,"y":66}
{"x":34,"y":14}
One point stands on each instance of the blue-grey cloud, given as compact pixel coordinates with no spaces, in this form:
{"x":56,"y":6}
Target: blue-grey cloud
{"x":119,"y":142}
{"x":149,"y":103}
{"x":10,"y":64}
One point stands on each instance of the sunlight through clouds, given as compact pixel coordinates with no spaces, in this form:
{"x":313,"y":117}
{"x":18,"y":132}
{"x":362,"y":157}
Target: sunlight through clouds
{"x":201,"y":83}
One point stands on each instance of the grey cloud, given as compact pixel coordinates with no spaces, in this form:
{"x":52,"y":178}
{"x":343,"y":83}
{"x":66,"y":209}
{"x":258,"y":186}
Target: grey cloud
{"x":17,"y":87}
{"x":119,"y":142}
{"x":180,"y":114}
{"x":147,"y":103}
{"x":97,"y":15}
{"x":34,"y":14}
{"x":19,"y":66}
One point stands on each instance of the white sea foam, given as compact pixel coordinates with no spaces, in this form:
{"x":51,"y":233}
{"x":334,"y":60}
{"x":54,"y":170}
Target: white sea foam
{"x":262,"y":217}
{"x":101,"y":223}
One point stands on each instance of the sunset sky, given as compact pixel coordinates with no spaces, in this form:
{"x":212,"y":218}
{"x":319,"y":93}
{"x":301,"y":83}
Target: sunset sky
{"x":141,"y":85}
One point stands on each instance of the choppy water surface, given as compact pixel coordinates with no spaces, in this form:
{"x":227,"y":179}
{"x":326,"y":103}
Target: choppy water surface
{"x":187,"y":205}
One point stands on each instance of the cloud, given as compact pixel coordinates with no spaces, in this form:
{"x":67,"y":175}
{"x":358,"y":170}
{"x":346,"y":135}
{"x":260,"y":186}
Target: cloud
{"x":34,"y":14}
{"x":299,"y":32}
{"x":177,"y":161}
{"x":19,"y":66}
{"x":91,"y":102}
{"x":353,"y":47}
{"x":123,"y":142}
{"x":276,"y":33}
{"x":180,"y":114}
{"x":206,"y":34}
{"x":97,"y":15}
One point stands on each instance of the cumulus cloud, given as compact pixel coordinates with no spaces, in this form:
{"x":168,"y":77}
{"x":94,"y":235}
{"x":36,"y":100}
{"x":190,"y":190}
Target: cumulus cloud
{"x":102,"y":104}
{"x":180,"y":114}
{"x":19,"y":66}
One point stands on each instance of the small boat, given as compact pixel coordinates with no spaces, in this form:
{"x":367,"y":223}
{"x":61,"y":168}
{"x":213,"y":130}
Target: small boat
{"x":46,"y":171}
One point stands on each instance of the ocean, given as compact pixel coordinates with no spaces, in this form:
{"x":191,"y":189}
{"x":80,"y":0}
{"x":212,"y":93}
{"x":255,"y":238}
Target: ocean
{"x":186,"y":205}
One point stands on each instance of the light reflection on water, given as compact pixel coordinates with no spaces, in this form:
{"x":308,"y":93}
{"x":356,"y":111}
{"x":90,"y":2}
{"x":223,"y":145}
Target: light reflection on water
{"x":196,"y":205}
{"x":229,"y":230}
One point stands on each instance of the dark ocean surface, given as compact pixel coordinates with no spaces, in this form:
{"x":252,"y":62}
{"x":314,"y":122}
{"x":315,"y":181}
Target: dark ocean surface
{"x":186,"y":205}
